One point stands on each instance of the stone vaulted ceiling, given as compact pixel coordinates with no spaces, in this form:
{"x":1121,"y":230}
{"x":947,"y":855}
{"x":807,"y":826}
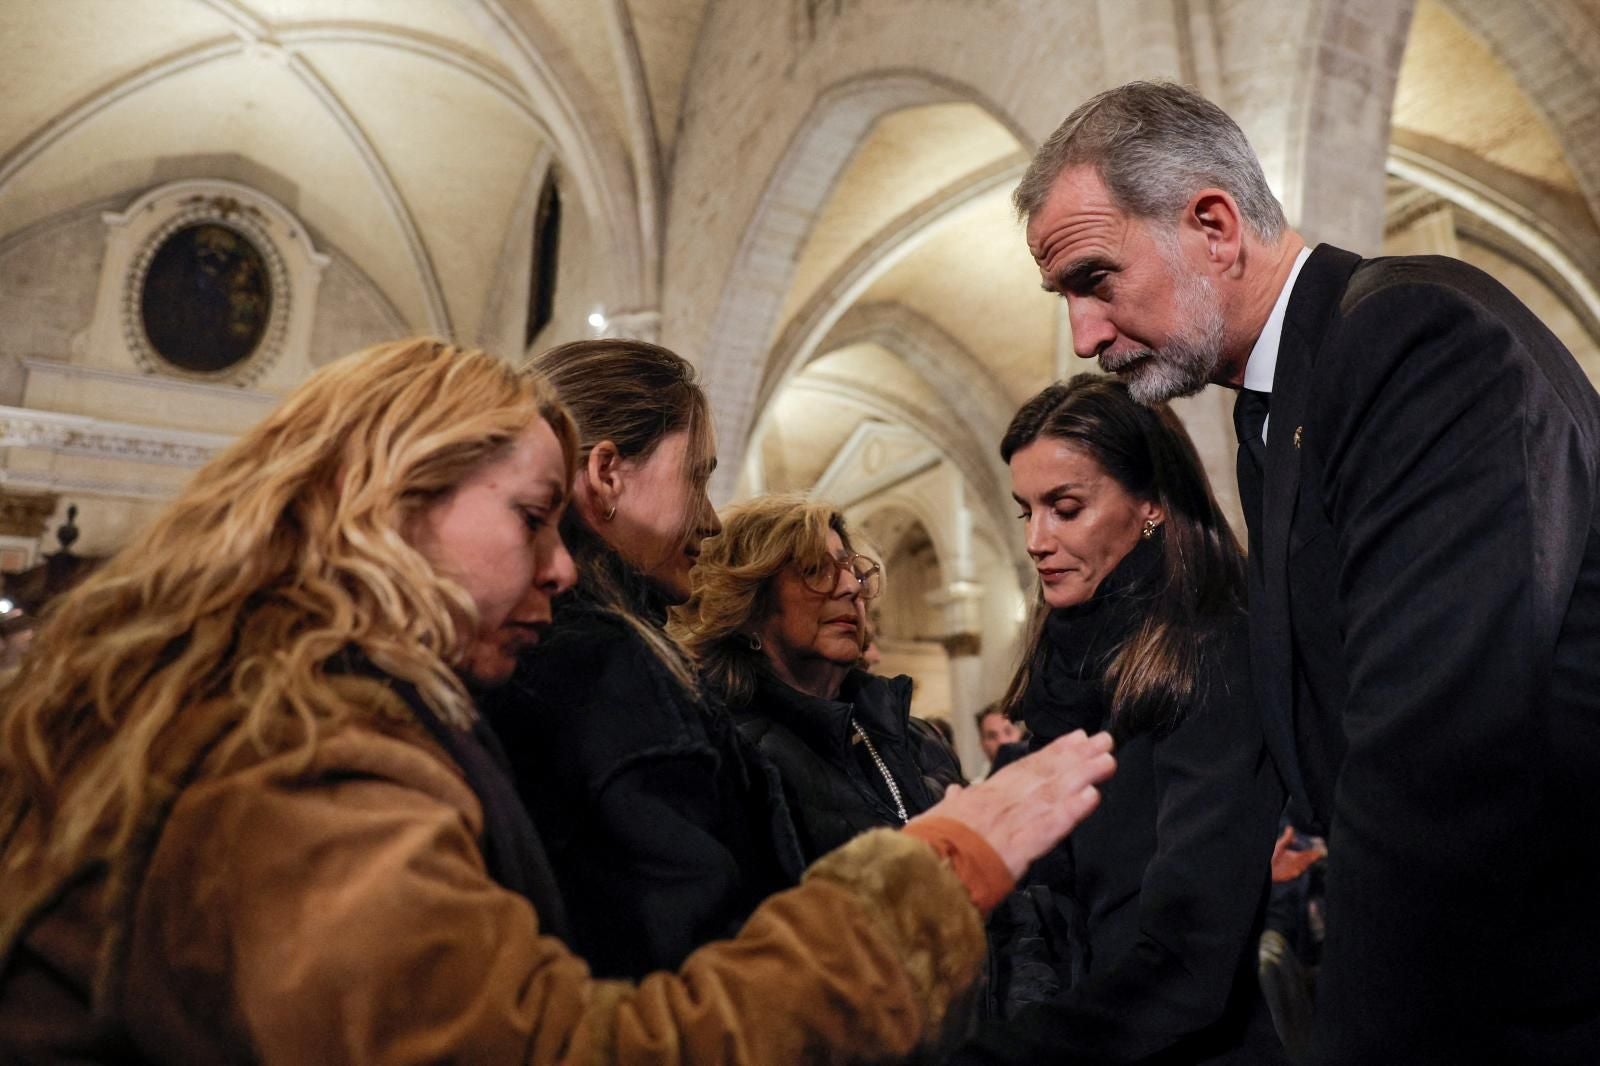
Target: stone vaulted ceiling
{"x":403,"y":132}
{"x":407,"y":134}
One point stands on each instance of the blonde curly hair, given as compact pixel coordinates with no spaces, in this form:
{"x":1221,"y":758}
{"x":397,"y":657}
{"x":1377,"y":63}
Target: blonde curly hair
{"x":212,"y":632}
{"x":732,"y":583}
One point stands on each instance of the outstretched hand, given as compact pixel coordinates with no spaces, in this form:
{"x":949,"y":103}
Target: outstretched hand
{"x":1024,"y":809}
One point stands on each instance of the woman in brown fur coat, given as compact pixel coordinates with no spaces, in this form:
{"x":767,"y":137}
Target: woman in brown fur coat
{"x":247,"y":811}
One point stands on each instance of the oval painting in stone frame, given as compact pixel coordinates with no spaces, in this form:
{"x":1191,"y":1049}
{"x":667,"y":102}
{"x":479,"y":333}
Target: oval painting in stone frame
{"x":206,"y":298}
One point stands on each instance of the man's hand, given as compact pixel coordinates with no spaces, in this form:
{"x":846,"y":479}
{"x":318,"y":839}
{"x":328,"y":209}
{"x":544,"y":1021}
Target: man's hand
{"x":1288,"y":865}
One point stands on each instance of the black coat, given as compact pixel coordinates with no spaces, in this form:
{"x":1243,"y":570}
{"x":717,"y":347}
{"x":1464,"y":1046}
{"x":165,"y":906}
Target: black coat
{"x":1163,"y":888}
{"x":1425,"y":626}
{"x":834,"y":790}
{"x":664,"y":829}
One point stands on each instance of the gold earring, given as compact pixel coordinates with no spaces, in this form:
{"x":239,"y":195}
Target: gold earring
{"x":1149,"y":528}
{"x":610,"y":514}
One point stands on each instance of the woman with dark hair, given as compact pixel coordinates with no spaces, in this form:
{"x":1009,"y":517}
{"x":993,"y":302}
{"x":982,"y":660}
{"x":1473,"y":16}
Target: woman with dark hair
{"x":1140,"y":628}
{"x":248,"y":812}
{"x":664,"y":829}
{"x":778,"y":621}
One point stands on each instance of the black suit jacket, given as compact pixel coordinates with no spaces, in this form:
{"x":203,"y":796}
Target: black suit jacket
{"x":1425,"y":631}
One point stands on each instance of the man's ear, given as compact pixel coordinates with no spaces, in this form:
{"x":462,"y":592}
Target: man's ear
{"x":1214,"y":217}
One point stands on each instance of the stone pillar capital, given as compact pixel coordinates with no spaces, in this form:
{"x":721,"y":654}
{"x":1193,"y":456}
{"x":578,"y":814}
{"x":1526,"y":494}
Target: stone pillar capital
{"x":957,"y":645}
{"x":637,"y":324}
{"x":26,"y":514}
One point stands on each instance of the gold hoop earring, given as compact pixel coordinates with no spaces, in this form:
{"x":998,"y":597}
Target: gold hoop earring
{"x":610,"y":514}
{"x":1149,"y":530}
{"x":754,"y":641}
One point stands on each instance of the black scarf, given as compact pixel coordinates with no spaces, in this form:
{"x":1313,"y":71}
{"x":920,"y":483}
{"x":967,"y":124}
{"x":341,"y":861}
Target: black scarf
{"x":512,"y":851}
{"x":1066,"y":687}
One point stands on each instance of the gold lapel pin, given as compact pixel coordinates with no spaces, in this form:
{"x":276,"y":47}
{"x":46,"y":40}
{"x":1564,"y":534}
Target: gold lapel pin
{"x":1299,"y":431}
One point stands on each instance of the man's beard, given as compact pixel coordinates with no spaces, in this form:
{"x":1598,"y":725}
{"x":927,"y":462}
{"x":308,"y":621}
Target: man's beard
{"x":1185,"y":364}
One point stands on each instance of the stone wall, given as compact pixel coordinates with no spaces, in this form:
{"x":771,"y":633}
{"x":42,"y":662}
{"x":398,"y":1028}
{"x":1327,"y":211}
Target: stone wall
{"x":1309,"y":81}
{"x":48,"y":278}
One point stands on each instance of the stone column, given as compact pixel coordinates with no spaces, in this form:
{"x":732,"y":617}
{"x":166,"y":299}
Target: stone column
{"x":966,"y":674}
{"x":960,"y":603}
{"x":1429,"y":230}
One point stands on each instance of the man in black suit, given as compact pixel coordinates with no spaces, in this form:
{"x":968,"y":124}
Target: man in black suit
{"x":1419,"y":465}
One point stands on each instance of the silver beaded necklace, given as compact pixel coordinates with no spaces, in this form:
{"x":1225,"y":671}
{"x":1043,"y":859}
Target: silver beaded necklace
{"x":888,"y":778}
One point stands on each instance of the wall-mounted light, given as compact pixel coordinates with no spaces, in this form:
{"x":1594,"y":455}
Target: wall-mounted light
{"x":597,"y":322}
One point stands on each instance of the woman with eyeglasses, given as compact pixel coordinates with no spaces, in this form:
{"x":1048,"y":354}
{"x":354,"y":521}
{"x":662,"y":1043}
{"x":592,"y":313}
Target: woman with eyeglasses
{"x":777,"y":622}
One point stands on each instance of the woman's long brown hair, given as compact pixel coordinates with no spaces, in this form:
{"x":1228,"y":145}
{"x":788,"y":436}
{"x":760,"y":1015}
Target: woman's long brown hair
{"x":1153,"y":677}
{"x":633,"y":394}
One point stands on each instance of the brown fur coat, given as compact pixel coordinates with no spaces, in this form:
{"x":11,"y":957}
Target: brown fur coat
{"x":340,"y":912}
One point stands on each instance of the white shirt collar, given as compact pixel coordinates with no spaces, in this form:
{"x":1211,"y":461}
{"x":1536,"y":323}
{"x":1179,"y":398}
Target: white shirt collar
{"x":1262,"y":365}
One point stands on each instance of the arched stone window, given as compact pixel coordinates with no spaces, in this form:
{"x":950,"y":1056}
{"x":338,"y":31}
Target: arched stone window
{"x":546,"y":259}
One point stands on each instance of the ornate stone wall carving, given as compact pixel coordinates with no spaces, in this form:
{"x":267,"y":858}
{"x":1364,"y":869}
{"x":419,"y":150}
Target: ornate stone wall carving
{"x":118,"y":338}
{"x":244,"y":220}
{"x":81,"y":435}
{"x":25,"y":514}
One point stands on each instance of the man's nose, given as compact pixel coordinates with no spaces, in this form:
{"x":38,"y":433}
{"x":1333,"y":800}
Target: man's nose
{"x":1092,"y":331}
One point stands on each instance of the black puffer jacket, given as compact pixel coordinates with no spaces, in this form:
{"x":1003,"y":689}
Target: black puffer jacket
{"x":834,"y":788}
{"x":664,"y":827}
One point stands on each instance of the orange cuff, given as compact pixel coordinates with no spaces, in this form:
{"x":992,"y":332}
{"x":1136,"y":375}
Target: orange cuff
{"x":977,"y":864}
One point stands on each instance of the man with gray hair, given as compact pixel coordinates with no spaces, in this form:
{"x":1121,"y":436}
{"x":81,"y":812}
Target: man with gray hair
{"x":1419,"y":465}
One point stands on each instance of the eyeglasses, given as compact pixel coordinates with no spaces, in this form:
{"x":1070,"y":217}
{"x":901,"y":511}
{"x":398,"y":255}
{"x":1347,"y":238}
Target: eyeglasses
{"x":866,"y":570}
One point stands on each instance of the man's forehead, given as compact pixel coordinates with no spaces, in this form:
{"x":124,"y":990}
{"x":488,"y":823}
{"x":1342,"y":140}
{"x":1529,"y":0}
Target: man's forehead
{"x":1077,"y":205}
{"x":1077,"y":186}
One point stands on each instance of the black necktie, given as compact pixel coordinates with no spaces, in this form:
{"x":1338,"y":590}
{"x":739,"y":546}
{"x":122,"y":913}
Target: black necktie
{"x":1249,"y":418}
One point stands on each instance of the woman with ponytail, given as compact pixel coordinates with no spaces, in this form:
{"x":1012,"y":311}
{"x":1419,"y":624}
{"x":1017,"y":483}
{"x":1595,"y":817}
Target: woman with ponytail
{"x":665,"y":829}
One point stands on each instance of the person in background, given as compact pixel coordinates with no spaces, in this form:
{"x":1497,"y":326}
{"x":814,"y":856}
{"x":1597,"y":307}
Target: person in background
{"x":1291,"y":943}
{"x":1140,"y":628}
{"x":1000,"y":737}
{"x":248,"y":813}
{"x":776,"y":622}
